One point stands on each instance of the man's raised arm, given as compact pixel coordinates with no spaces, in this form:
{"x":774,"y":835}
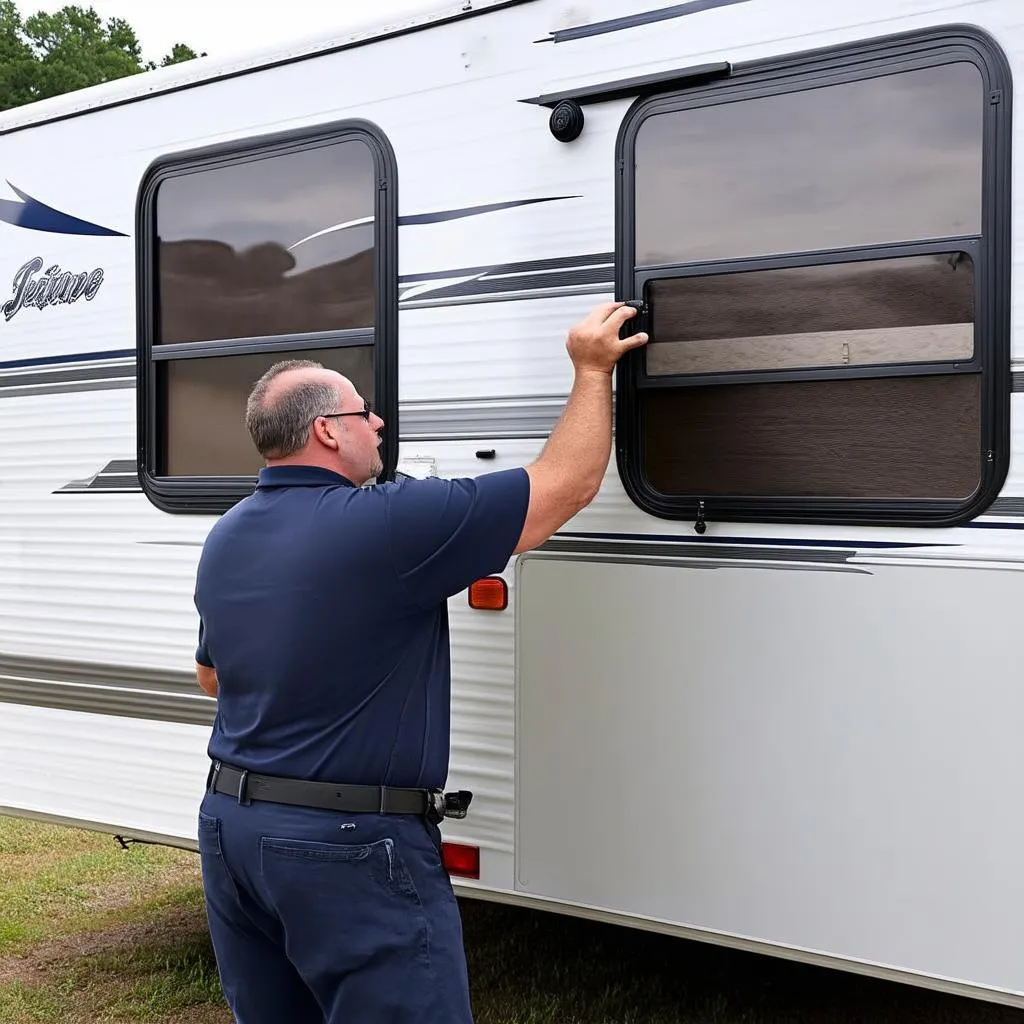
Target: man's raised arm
{"x":567,"y":474}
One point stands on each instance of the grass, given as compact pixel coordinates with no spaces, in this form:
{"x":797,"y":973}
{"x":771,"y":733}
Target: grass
{"x":531,"y":968}
{"x":90,"y":934}
{"x":56,"y":881}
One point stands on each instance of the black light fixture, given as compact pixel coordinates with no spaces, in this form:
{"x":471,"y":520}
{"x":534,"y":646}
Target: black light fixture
{"x":566,"y":121}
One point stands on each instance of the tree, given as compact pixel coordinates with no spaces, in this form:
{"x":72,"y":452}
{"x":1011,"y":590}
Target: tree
{"x":47,"y":55}
{"x":178,"y":55}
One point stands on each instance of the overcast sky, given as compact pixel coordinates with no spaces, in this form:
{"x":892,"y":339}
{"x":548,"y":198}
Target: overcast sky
{"x":220,"y":27}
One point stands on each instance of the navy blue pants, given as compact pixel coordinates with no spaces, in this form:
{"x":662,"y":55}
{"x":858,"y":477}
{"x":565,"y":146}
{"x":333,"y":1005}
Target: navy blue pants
{"x":326,"y":918}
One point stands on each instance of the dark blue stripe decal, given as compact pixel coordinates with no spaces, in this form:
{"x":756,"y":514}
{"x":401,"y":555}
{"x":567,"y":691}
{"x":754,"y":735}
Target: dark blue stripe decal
{"x":489,"y":285}
{"x":597,"y":259}
{"x":761,"y":541}
{"x":473,"y":211}
{"x":993,"y":526}
{"x":36,"y":216}
{"x":80,"y":357}
{"x":598,"y":28}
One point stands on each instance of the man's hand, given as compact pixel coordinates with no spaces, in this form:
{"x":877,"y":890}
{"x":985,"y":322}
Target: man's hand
{"x":207,"y":679}
{"x":594,"y":343}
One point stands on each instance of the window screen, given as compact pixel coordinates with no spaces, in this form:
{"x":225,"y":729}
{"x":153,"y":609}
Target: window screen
{"x":205,"y":400}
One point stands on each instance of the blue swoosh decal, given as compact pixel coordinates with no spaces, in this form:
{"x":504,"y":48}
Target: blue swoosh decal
{"x":37,"y":216}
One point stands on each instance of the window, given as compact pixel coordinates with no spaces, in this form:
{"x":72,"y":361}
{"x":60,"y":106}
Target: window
{"x":822,"y":247}
{"x":277,"y":248}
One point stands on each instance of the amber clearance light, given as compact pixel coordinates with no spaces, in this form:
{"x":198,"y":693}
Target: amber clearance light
{"x":489,"y":594}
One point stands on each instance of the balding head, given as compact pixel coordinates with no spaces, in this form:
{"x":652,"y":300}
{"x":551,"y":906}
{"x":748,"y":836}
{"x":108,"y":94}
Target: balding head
{"x":300,"y":413}
{"x":285,"y":402}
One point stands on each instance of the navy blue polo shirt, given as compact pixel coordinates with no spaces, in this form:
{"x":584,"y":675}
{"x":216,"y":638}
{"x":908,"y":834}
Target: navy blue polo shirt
{"x":323,"y":608}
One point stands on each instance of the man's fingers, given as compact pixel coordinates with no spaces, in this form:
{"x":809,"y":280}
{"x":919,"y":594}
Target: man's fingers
{"x":634,"y":342}
{"x":600,"y":314}
{"x":620,"y":314}
{"x":610,"y":314}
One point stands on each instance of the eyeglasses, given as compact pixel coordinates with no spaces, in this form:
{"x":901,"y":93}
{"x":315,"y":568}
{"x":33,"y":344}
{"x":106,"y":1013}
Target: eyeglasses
{"x":364,"y":412}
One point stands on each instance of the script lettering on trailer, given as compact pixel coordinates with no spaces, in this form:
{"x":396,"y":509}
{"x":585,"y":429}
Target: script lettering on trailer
{"x":55,"y":287}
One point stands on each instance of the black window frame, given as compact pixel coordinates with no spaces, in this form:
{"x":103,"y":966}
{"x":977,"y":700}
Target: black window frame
{"x":989,"y":251}
{"x":216,"y":494}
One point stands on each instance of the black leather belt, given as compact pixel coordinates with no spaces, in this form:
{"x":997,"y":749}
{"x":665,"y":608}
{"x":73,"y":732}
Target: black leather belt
{"x":247,"y":786}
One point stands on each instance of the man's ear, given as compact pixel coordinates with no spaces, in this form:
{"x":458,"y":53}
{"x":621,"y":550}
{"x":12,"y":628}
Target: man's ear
{"x":322,"y":434}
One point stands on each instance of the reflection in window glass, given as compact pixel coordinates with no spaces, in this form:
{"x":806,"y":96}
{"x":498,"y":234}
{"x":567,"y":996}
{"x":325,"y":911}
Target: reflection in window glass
{"x":204,"y":429}
{"x":859,"y":163}
{"x":273,"y":246}
{"x":911,"y":310}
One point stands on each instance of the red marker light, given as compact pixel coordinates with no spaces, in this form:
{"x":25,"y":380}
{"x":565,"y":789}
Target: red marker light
{"x":461,"y":860}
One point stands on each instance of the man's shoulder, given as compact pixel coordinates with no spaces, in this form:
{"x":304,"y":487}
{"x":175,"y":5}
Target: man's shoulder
{"x":407,"y":487}
{"x":420,"y":504}
{"x":447,"y":532}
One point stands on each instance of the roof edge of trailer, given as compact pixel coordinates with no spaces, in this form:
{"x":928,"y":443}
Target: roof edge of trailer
{"x":203,"y":70}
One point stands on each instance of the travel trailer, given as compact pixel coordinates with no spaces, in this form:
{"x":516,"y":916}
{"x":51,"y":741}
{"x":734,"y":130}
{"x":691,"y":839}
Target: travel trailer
{"x":767,"y":690}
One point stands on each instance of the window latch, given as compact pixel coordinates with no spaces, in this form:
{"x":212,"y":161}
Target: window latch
{"x":637,"y":323}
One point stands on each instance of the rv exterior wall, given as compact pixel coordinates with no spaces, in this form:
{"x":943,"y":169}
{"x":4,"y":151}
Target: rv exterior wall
{"x":809,"y":724}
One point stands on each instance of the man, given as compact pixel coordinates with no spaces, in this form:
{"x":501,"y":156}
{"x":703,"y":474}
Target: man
{"x":324,"y":636}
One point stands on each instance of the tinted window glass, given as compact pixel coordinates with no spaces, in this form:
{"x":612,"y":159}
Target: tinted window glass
{"x":910,"y":310}
{"x":272,"y":246}
{"x":881,"y":160}
{"x":205,"y":400}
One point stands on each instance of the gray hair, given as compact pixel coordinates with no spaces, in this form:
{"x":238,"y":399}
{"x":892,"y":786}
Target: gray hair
{"x":281,"y":427}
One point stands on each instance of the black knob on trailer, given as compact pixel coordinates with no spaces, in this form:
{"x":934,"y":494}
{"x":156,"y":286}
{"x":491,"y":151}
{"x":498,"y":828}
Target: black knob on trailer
{"x":700,"y":523}
{"x":566,"y":121}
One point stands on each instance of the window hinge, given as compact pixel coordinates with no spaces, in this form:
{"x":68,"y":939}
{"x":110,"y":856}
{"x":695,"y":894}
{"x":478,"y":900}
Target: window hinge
{"x":382,"y":185}
{"x":700,"y":525}
{"x":995,"y":96}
